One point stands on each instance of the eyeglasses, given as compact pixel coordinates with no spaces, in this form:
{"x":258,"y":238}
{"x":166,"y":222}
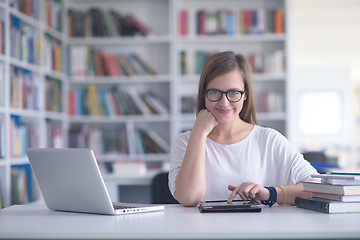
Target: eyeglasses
{"x":215,"y":95}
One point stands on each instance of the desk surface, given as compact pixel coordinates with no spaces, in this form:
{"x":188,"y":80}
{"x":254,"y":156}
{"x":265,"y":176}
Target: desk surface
{"x":33,"y":221}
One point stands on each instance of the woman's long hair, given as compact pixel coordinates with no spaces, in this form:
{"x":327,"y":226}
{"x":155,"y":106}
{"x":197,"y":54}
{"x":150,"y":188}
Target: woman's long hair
{"x":221,"y":63}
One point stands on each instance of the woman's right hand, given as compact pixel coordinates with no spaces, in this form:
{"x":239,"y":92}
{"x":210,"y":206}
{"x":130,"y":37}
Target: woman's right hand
{"x":205,"y":122}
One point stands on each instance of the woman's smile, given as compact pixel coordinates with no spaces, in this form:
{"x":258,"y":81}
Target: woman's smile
{"x":223,"y":111}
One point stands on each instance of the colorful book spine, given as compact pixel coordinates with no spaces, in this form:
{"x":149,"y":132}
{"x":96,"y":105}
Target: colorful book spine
{"x":183,"y":22}
{"x":53,"y":54}
{"x":22,"y":190}
{"x":24,"y":92}
{"x":26,"y":42}
{"x":53,"y":14}
{"x":54,"y":134}
{"x":53,"y":93}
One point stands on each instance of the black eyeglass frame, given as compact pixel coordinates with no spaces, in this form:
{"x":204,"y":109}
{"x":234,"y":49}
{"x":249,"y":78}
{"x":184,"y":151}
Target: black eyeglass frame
{"x":226,"y":94}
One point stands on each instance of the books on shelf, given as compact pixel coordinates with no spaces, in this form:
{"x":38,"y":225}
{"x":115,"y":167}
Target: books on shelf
{"x":24,"y":92}
{"x":23,"y":134}
{"x":114,"y":101}
{"x":53,"y":54}
{"x":22,"y":190}
{"x":97,"y":22}
{"x":149,"y":141}
{"x":26,"y":42}
{"x":86,"y":61}
{"x":53,"y":14}
{"x":29,"y":8}
{"x":326,"y":205}
{"x":102,"y":140}
{"x":188,"y":104}
{"x":270,"y":102}
{"x":232,"y":21}
{"x":269,"y":63}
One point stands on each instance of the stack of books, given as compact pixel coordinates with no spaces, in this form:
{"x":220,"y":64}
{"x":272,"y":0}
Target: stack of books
{"x":336,"y":192}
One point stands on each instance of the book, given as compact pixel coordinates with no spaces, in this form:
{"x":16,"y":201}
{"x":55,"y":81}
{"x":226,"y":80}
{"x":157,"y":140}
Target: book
{"x":345,"y":173}
{"x":345,"y":179}
{"x":331,"y":189}
{"x":335,"y":197}
{"x":326,"y":205}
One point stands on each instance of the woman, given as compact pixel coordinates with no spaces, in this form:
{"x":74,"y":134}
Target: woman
{"x":227,"y":155}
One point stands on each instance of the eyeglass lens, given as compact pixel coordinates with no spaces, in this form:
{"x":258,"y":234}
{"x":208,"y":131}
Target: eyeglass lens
{"x":232,"y":96}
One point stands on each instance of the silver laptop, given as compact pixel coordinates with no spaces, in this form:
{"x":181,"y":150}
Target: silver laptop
{"x":70,"y":180}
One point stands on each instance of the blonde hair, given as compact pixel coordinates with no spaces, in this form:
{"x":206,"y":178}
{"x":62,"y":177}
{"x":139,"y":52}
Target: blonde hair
{"x":221,"y":63}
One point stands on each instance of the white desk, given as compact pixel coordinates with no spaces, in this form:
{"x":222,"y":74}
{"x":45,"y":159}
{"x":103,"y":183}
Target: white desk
{"x":31,"y":221}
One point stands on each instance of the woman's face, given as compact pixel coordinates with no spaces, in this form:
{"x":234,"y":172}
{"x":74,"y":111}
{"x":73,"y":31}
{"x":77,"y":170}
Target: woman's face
{"x":223,"y":110}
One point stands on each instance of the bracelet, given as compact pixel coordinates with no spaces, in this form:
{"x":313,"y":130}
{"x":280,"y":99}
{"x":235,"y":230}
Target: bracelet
{"x":272,"y":198}
{"x":284,"y":195}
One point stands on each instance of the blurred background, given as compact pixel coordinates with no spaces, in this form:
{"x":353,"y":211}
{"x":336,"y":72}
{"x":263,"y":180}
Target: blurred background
{"x":120,"y":77}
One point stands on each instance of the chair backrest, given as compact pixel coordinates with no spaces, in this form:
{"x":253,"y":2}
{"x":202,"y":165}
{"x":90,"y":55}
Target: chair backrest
{"x":160,"y":189}
{"x":320,"y":161}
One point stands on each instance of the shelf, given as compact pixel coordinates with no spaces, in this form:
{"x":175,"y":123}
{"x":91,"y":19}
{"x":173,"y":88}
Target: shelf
{"x":55,"y":116}
{"x":23,"y":17}
{"x":233,"y":38}
{"x":188,"y":117}
{"x":271,"y":116}
{"x":25,"y":113}
{"x":119,"y":40}
{"x":120,"y":119}
{"x":152,"y":157}
{"x":19,"y":161}
{"x":28,"y":66}
{"x":116,"y":80}
{"x":257,"y":77}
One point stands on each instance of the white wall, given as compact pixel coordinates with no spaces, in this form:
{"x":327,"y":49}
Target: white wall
{"x":325,"y":34}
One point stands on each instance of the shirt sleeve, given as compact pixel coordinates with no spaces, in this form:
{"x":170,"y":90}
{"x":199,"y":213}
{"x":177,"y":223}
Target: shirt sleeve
{"x":178,"y":150}
{"x":299,"y":168}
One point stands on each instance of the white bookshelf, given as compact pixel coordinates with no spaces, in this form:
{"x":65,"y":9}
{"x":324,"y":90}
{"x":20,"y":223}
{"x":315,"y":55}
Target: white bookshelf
{"x":156,"y":49}
{"x":239,"y":42}
{"x":160,"y":49}
{"x":36,"y":116}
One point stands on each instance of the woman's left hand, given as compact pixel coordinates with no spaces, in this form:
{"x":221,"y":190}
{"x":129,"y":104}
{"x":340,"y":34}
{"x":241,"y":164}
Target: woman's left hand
{"x":249,"y":190}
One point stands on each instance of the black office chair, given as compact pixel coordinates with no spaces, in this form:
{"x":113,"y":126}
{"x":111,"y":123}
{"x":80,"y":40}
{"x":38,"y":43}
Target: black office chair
{"x":160,"y":189}
{"x":319,"y":161}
